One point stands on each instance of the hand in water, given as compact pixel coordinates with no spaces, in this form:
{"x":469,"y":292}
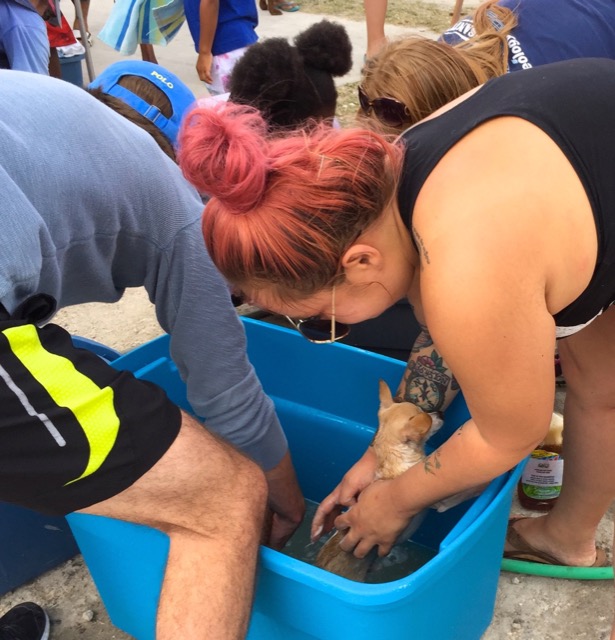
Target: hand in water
{"x":359,"y":476}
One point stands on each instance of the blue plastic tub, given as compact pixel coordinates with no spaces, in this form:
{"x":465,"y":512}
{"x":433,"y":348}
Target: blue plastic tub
{"x":327,"y":399}
{"x":101,"y":350}
{"x":31,"y":544}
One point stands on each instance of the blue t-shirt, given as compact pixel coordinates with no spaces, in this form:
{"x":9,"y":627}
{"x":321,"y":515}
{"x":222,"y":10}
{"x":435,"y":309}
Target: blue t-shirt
{"x":551,"y":30}
{"x":237,"y":22}
{"x":24,"y":44}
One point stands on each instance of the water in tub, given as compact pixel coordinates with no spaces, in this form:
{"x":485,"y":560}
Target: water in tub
{"x":403,"y":560}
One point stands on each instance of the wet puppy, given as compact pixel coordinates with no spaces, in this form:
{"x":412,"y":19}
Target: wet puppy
{"x":398,"y":444}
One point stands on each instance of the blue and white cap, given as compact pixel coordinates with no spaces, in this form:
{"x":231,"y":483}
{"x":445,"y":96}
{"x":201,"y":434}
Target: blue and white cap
{"x":177,"y":92}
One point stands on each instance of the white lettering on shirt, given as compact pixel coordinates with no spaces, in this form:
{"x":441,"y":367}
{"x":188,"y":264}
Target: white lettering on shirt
{"x":517,"y":54}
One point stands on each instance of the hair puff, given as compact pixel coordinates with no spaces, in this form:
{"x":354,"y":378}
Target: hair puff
{"x":326,"y":46}
{"x":268,"y":72}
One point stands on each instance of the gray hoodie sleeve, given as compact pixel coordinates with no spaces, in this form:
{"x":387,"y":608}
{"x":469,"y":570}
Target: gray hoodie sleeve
{"x":208,"y":345}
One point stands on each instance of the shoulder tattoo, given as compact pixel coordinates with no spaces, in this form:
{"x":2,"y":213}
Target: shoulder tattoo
{"x":421,"y":245}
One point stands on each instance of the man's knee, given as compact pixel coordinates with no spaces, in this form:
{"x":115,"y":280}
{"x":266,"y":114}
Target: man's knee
{"x":250,"y":485}
{"x":225,"y":483}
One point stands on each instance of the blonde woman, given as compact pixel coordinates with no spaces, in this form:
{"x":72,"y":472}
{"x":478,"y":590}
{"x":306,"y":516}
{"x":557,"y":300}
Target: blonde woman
{"x":408,"y":79}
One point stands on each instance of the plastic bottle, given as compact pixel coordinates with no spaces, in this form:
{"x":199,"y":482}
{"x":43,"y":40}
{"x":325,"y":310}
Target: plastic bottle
{"x":541,"y":480}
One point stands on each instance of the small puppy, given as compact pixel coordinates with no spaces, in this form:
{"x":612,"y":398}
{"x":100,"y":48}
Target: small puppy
{"x":398,"y":444}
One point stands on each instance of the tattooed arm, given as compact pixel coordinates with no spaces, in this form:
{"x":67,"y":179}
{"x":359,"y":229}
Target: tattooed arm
{"x":510,"y":406}
{"x":428,"y":383}
{"x":427,"y":380}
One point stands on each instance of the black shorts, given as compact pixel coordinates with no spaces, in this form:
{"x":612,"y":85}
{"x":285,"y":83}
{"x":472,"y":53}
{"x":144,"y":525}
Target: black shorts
{"x":73,"y":430}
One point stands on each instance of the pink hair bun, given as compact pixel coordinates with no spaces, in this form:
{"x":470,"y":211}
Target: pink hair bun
{"x":223,"y":153}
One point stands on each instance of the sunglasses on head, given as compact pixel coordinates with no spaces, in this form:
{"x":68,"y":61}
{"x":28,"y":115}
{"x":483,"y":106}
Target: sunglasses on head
{"x":321,"y":331}
{"x":388,"y":110}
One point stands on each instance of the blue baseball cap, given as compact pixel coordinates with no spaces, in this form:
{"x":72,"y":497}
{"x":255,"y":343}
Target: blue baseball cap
{"x":177,"y":92}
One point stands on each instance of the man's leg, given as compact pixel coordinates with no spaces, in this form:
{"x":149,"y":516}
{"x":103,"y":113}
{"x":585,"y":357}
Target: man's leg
{"x":211,"y":501}
{"x":116,"y":446}
{"x":55,"y":67}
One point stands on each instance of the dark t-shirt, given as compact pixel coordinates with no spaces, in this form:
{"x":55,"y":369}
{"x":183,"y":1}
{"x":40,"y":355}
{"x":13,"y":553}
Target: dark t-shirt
{"x":551,"y":30}
{"x":572,"y":102}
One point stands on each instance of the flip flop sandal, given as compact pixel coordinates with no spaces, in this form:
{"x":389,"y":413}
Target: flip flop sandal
{"x":289,"y":7}
{"x":523,"y":550}
{"x":88,"y":36}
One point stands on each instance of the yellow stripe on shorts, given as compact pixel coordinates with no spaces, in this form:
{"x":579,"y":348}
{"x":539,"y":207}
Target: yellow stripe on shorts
{"x":92,"y":406}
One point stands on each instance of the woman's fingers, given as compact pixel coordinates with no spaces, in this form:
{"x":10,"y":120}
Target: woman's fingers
{"x":326,"y":513}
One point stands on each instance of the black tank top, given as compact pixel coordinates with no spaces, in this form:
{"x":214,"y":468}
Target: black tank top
{"x":573,"y":102}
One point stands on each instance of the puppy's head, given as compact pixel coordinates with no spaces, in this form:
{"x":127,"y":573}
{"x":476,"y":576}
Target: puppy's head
{"x":400,"y":422}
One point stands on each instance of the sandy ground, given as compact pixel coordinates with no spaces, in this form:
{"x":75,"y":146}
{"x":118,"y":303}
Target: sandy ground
{"x":527,"y":608}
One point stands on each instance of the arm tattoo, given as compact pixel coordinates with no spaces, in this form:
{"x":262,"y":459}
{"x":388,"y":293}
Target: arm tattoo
{"x":421,"y":245}
{"x":432,"y":462}
{"x":422,"y":341}
{"x":427,"y":379}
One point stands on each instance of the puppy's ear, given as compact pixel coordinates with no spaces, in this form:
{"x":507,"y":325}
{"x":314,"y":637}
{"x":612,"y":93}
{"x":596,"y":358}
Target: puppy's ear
{"x":417,"y":428}
{"x":386,"y":398}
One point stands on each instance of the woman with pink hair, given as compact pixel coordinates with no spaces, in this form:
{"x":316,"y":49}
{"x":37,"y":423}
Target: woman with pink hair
{"x":496,"y":219}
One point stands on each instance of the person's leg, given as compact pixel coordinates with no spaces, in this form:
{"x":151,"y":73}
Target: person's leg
{"x":375,"y":17}
{"x":456,"y":14}
{"x":85,"y":8}
{"x":211,"y":501}
{"x":588,"y":363}
{"x":55,"y":67}
{"x":116,"y":446}
{"x":147,"y":53}
{"x":613,"y":622}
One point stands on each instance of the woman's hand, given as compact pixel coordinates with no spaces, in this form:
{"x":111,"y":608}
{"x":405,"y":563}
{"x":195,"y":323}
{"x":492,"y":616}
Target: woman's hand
{"x":361,"y":474}
{"x":285,"y":501}
{"x":375,"y":520}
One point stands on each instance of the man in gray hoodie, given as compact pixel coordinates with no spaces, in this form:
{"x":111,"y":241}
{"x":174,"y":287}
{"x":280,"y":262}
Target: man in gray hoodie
{"x":81,"y":223}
